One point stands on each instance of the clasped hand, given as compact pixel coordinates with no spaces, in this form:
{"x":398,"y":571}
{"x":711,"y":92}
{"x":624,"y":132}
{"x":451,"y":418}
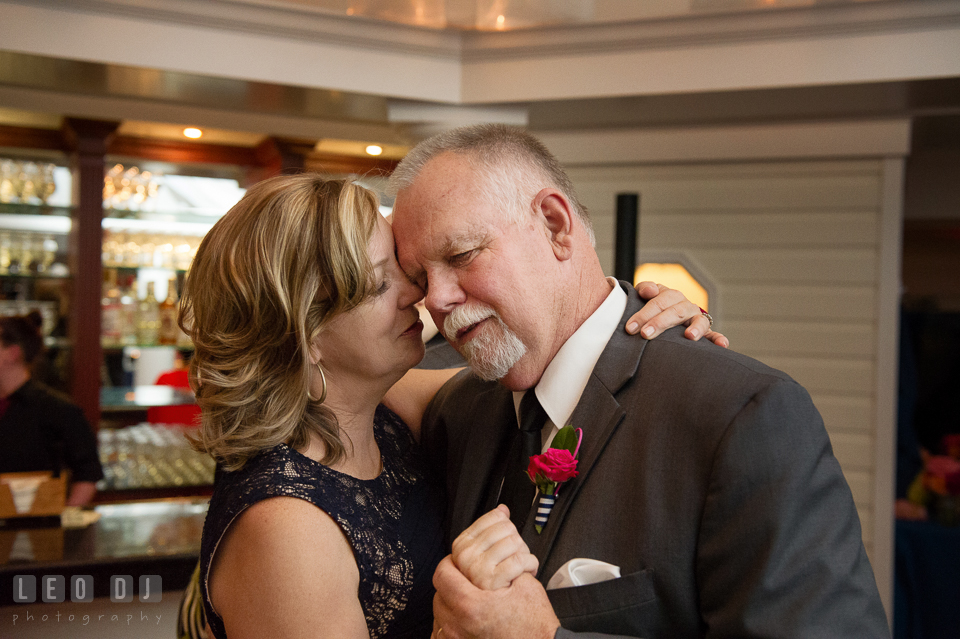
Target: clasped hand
{"x":487,"y":586}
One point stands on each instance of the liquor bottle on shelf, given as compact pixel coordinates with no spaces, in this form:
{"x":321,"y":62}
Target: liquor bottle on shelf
{"x":148,"y":319}
{"x":27,"y":254}
{"x":168,"y":315}
{"x":111,"y":319}
{"x":128,"y":314}
{"x":48,"y":253}
{"x":6,"y":245}
{"x":183,"y":340}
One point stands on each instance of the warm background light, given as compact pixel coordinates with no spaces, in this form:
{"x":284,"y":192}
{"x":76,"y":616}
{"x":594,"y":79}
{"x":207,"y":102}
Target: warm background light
{"x":373,"y":149}
{"x":192,"y":133}
{"x":674,"y":276}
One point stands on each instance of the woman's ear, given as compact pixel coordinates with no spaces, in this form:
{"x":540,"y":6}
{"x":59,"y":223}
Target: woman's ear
{"x":315,"y":355}
{"x":557,"y":215}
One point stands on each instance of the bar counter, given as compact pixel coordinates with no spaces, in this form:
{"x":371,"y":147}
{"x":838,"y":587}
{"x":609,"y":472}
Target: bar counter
{"x":160,"y":537}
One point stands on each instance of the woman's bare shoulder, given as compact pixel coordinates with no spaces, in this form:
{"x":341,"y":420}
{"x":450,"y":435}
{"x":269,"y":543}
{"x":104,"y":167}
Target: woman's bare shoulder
{"x":286,"y":567}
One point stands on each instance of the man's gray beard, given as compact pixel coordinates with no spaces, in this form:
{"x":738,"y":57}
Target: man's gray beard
{"x":495,"y":349}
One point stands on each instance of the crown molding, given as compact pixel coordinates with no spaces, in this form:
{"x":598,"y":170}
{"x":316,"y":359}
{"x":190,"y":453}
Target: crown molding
{"x":303,"y":22}
{"x":277,"y":19}
{"x":831,"y":20}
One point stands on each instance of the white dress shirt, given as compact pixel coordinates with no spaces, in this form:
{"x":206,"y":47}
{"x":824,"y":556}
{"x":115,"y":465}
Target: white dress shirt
{"x":566,"y":376}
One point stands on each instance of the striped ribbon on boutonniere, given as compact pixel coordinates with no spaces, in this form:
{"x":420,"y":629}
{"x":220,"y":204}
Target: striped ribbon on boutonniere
{"x":551,"y":469}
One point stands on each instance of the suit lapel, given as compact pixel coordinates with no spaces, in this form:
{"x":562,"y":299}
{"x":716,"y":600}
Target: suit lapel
{"x":481,"y":469}
{"x":599,"y":414}
{"x":599,"y":418}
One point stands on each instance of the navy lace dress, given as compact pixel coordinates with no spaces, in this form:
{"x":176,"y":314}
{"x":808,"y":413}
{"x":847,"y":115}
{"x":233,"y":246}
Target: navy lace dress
{"x":393,"y":523}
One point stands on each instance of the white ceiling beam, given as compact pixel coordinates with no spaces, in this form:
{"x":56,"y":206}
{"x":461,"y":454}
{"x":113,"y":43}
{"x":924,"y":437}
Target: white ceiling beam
{"x":223,"y":38}
{"x":294,"y":44}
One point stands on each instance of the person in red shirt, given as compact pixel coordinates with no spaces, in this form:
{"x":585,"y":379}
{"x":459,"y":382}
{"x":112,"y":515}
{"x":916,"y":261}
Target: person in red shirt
{"x":188,"y":414}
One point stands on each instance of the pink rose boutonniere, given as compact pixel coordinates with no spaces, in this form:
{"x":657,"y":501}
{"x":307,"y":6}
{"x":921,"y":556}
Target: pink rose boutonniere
{"x":551,"y":469}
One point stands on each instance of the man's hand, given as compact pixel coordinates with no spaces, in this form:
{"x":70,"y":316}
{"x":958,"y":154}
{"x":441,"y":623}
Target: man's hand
{"x":667,"y":308}
{"x":461,"y":610}
{"x":491,"y":553}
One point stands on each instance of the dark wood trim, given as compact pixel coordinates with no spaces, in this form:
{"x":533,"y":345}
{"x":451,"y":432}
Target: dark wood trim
{"x":143,"y":494}
{"x":185,"y":152}
{"x":89,"y":140}
{"x":342,"y":164}
{"x":271,"y":157}
{"x":29,"y":138}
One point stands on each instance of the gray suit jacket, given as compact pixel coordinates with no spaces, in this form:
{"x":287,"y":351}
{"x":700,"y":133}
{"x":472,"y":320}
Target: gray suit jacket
{"x":707,"y":477}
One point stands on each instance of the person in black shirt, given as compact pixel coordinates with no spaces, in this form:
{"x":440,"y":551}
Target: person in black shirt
{"x":41,"y":429}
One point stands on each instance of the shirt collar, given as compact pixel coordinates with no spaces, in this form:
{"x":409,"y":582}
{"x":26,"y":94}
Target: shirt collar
{"x":566,"y":376}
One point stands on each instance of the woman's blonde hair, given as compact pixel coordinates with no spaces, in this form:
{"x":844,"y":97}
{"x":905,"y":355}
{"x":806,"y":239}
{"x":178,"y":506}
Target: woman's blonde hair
{"x":267,"y":278}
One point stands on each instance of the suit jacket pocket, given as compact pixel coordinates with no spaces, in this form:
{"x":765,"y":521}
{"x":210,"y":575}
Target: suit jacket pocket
{"x":612,"y":607}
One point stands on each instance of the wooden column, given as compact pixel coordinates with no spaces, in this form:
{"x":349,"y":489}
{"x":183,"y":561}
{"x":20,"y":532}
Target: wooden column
{"x":276,"y":156}
{"x":88,"y":140}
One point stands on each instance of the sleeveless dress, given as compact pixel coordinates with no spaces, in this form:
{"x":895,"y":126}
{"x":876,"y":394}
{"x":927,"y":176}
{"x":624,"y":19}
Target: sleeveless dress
{"x":393,"y":523}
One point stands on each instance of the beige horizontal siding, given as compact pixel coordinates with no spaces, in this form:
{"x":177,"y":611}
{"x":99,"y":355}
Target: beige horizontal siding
{"x":829,"y":375}
{"x":845,"y":413}
{"x":742,"y":187}
{"x":805,"y":302}
{"x":792,"y":251}
{"x":811,"y":338}
{"x":866,"y":523}
{"x":861,"y":485}
{"x":768,"y":228}
{"x":854,"y":452}
{"x":811,"y":265}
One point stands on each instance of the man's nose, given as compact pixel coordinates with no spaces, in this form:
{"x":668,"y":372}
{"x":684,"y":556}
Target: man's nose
{"x":443,"y":293}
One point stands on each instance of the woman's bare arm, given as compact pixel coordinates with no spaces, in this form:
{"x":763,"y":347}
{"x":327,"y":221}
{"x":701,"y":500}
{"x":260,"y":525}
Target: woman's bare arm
{"x":285,"y":569}
{"x":409,"y":397}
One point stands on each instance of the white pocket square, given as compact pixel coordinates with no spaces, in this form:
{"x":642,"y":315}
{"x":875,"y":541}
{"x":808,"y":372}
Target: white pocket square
{"x":581,"y":572}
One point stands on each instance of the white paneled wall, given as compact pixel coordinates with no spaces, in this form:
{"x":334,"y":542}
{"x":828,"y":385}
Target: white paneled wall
{"x":793,"y":248}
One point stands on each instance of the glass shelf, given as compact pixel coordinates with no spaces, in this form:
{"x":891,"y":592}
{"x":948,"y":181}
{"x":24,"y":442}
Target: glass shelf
{"x":16,"y":208}
{"x":54,"y":224}
{"x":124,"y":398}
{"x":116,"y":348}
{"x":56,"y":342}
{"x":172,"y":223}
{"x":131,"y":269}
{"x":35,"y":276}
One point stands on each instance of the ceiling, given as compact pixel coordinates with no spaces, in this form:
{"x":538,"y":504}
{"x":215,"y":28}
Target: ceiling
{"x":506,"y":15}
{"x":155,"y":103}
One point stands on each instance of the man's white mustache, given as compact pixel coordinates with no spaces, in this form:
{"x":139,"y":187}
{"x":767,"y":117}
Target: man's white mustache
{"x":463,"y":316}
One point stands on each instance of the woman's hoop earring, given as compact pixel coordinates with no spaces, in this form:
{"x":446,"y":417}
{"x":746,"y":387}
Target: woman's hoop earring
{"x":323,"y":380}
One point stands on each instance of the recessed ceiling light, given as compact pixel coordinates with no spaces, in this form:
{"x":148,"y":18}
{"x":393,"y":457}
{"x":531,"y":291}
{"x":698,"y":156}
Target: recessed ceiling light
{"x":373,"y":149}
{"x":192,"y":132}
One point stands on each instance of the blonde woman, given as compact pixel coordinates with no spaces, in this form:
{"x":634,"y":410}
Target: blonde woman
{"x":326,"y":521}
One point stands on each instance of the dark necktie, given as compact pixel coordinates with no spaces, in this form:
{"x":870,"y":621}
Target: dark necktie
{"x":518,"y":491}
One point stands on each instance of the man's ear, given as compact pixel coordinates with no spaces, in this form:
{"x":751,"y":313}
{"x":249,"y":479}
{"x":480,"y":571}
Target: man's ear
{"x":558,"y":218}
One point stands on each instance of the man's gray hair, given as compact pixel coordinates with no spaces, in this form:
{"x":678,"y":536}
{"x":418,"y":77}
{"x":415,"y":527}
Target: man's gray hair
{"x":516,"y":165}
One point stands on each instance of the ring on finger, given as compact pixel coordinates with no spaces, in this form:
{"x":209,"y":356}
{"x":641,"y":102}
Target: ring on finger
{"x":707,"y":315}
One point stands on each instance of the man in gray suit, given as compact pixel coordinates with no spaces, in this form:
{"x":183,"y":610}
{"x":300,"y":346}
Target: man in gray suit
{"x":707,"y":499}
